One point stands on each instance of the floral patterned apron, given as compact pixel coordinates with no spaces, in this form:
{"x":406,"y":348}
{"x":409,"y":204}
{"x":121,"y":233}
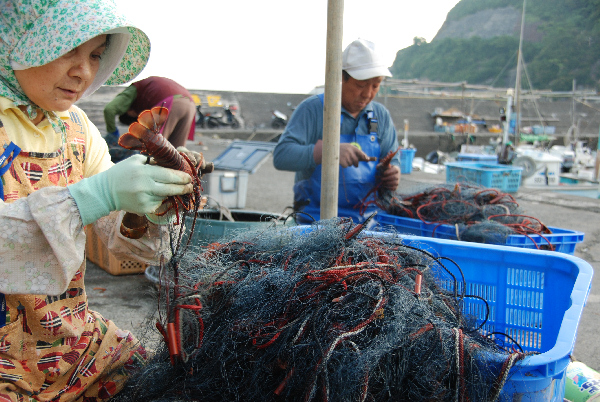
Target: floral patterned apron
{"x":52,"y":348}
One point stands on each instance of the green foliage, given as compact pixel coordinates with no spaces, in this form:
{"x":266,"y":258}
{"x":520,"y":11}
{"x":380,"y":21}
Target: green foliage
{"x":474,"y":60}
{"x":468,"y":7}
{"x":569,"y":48}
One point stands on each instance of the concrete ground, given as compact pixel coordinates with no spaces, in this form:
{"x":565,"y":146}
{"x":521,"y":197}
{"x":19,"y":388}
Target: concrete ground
{"x":129,"y":300}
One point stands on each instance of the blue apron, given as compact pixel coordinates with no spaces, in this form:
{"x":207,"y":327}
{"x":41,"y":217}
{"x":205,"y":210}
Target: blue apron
{"x":354,"y":182}
{"x":14,"y":150}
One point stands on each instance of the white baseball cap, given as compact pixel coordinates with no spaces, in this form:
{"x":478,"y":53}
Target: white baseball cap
{"x":362,"y":62}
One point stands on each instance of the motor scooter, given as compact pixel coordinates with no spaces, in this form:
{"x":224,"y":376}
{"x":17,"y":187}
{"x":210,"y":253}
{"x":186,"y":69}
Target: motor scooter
{"x":279,"y":119}
{"x":226,"y":119}
{"x":200,"y":118}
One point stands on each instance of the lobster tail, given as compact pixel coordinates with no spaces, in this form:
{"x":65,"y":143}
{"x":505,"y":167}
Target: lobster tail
{"x":135,"y":137}
{"x":154,"y":118}
{"x":144,"y":136}
{"x":145,"y":130}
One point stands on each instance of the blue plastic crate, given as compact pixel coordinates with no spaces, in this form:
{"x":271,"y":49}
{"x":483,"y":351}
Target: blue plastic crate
{"x":464,"y":157}
{"x":406,"y":158}
{"x":502,"y":177}
{"x":563,"y":240}
{"x":534,"y":296}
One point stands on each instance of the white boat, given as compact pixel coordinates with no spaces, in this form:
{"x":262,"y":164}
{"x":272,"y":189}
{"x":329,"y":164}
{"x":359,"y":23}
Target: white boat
{"x":544,"y":167}
{"x":574,"y":185}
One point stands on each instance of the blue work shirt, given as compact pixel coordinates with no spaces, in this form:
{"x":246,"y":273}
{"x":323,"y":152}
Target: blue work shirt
{"x":294,"y":151}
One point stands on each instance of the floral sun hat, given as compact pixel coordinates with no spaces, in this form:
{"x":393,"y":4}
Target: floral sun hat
{"x":35,"y":32}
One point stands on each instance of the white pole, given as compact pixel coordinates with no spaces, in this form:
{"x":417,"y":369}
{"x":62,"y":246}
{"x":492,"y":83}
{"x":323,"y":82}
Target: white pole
{"x":405,"y":142}
{"x":507,"y":113}
{"x":332,"y":110}
{"x":518,"y":80}
{"x":597,"y":161}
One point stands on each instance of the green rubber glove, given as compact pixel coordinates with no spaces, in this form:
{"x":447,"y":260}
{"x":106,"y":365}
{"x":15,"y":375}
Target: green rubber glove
{"x":131,"y":185}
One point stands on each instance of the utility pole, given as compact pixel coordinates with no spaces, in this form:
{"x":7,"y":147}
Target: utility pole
{"x":518,"y":80}
{"x":597,"y":161}
{"x":573,"y":119}
{"x":332,"y":110}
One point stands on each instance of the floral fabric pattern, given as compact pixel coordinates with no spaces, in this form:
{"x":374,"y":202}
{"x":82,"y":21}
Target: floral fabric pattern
{"x":52,"y":347}
{"x":36,"y":32}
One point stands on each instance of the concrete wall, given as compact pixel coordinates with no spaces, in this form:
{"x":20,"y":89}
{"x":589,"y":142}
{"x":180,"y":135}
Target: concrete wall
{"x":255,"y":109}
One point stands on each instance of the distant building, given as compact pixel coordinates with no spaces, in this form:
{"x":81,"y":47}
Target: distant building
{"x":317,"y":90}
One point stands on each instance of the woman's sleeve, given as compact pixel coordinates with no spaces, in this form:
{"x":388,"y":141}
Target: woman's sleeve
{"x":41,"y":242}
{"x":42,"y":237}
{"x":149,"y":248}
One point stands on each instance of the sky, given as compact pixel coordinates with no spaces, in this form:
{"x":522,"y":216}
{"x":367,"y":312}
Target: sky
{"x":269,"y":45}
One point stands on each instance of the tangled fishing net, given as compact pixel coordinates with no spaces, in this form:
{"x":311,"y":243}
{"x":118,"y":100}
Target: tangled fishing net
{"x":320,"y":313}
{"x":479,"y":214}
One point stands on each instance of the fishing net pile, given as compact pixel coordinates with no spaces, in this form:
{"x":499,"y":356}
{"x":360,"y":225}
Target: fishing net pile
{"x":319,"y":313}
{"x":479,"y":214}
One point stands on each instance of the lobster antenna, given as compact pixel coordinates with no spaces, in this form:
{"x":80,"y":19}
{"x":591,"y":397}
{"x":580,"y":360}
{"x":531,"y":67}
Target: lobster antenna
{"x":155,"y":124}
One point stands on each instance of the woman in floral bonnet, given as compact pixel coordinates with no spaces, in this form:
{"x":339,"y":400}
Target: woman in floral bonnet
{"x":57,"y":177}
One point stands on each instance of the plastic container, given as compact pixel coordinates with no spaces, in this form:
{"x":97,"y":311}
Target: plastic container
{"x":227,"y":187}
{"x":406,"y":158}
{"x":211,"y":226}
{"x":228,"y":183}
{"x":535,"y":296}
{"x":502,"y":177}
{"x":466,"y":157}
{"x":563,"y":240}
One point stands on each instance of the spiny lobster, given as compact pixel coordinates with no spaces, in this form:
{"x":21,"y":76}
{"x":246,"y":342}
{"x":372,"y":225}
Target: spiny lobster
{"x":382,"y":166}
{"x":144,"y":136}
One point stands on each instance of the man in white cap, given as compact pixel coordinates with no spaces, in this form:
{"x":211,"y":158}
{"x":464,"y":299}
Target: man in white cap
{"x":367,"y":135}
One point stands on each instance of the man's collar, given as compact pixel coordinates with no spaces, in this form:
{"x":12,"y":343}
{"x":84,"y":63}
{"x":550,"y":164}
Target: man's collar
{"x":367,"y":108}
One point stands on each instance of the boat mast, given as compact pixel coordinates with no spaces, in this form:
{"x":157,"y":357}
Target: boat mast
{"x":518,"y":80}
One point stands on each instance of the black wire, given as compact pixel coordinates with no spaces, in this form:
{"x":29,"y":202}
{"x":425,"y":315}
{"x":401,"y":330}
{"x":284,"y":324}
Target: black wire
{"x":487,"y":314}
{"x":464,"y":281}
{"x":442,"y":265}
{"x":507,"y":336}
{"x":294,"y":214}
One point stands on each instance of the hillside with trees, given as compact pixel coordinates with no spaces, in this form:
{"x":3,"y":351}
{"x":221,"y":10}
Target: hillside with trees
{"x":479,"y":40}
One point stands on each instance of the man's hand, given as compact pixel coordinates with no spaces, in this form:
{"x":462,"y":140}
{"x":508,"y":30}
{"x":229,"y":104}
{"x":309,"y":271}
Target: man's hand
{"x":351,"y":155}
{"x":390,"y":177}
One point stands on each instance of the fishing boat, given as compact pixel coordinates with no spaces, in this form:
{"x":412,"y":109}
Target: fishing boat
{"x":570,"y":168}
